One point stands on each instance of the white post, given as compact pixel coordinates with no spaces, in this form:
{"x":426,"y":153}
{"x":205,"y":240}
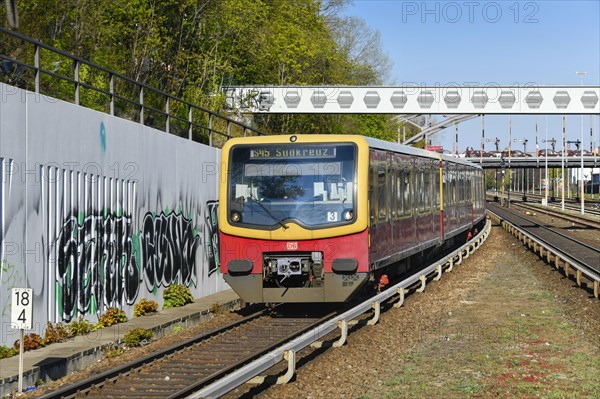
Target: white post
{"x":21,"y":344}
{"x":581,"y":192}
{"x":562,"y":162}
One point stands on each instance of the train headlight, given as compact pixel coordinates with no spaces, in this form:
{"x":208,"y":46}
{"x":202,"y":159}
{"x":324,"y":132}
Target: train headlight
{"x":235,"y":217}
{"x":348,"y":214}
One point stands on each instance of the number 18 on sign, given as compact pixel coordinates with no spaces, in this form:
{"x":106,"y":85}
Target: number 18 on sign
{"x":22,"y":308}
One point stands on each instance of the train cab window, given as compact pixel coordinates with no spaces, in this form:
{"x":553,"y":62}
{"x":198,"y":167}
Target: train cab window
{"x":381,"y":193}
{"x":310,"y":184}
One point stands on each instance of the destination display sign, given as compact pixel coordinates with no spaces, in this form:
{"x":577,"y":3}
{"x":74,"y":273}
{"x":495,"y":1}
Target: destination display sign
{"x":293,"y":153}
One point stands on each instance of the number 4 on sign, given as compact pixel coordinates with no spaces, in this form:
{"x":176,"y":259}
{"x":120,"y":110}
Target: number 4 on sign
{"x":22,"y":308}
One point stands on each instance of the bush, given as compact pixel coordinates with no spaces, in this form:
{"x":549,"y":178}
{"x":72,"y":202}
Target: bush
{"x":30,"y":342}
{"x":79,"y":327}
{"x":110,"y":317}
{"x":177,"y":295}
{"x":55,"y":333}
{"x":217,"y":308}
{"x":5,"y":351}
{"x":113,"y":352}
{"x":144,"y":306}
{"x":136,"y":336}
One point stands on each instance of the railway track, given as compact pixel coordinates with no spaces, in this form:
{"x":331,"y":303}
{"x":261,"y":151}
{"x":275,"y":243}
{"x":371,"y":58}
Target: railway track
{"x":583,"y":220}
{"x":214,"y":363}
{"x":551,"y":243}
{"x":592,"y":207}
{"x":182,"y":369}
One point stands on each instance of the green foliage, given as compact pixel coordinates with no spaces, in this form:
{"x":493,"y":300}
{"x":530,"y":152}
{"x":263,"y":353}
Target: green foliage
{"x":144,"y":306}
{"x":55,"y":333}
{"x":30,"y":342}
{"x":79,"y":327}
{"x":5,"y":351}
{"x":113,"y":352}
{"x":137,"y":336}
{"x":177,"y":295}
{"x":110,"y":317}
{"x":177,"y":329}
{"x":192,"y":48}
{"x":217,"y":308}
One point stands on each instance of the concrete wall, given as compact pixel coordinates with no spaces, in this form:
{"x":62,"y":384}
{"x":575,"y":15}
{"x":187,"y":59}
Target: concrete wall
{"x":96,"y":211}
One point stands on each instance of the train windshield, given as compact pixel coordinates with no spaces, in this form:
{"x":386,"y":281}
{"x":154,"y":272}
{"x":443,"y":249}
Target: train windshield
{"x":312,"y":185}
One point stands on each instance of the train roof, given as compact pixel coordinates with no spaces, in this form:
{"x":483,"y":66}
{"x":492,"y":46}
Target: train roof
{"x":404,"y":149}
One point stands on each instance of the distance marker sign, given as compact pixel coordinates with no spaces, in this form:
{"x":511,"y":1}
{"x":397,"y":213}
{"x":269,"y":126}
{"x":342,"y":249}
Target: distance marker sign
{"x":21,"y":314}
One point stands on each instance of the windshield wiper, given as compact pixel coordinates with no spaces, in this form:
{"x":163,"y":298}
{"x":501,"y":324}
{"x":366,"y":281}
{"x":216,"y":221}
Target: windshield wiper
{"x":280,"y":221}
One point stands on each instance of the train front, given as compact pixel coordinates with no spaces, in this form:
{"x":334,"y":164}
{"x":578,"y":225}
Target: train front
{"x":293,"y":217}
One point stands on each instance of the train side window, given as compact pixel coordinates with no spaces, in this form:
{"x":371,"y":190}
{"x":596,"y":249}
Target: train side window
{"x":392,"y":193}
{"x":436,"y":187}
{"x":407,"y":190}
{"x":399,"y":193}
{"x":381,"y":193}
{"x":373,"y":194}
{"x":421,"y":189}
{"x":427,"y":180}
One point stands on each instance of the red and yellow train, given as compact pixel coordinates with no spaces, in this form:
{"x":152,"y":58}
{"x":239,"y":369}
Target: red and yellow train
{"x":313,"y":218}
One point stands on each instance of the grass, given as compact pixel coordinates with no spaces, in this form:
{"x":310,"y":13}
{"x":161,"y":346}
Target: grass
{"x":515,"y":344}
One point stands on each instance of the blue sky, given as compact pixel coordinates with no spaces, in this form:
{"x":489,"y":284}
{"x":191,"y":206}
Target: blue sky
{"x":491,"y":42}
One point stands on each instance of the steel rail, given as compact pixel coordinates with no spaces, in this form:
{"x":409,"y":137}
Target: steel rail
{"x":545,"y":239}
{"x":287,"y":351}
{"x":566,"y":216}
{"x":539,"y":246}
{"x":97,"y":380}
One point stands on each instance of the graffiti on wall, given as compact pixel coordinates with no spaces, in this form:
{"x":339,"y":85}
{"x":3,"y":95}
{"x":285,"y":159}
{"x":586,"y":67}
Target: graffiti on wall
{"x":8,"y":279}
{"x":211,"y":234}
{"x":168,"y":244}
{"x":96,"y":266}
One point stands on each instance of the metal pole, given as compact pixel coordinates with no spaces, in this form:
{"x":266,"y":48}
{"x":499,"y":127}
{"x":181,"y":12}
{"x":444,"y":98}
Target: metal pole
{"x":562,"y":162}
{"x":581,"y":192}
{"x":591,"y":133}
{"x":546,"y":166}
{"x":77,"y":85}
{"x":36,"y":64}
{"x":482,"y":138}
{"x":191,"y":123}
{"x":168,"y":114}
{"x":112,"y":94}
{"x":456,"y":138}
{"x":21,"y":349}
{"x":537,"y":158}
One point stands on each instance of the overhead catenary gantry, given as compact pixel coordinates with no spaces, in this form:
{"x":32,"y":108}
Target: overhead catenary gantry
{"x":468,"y":100}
